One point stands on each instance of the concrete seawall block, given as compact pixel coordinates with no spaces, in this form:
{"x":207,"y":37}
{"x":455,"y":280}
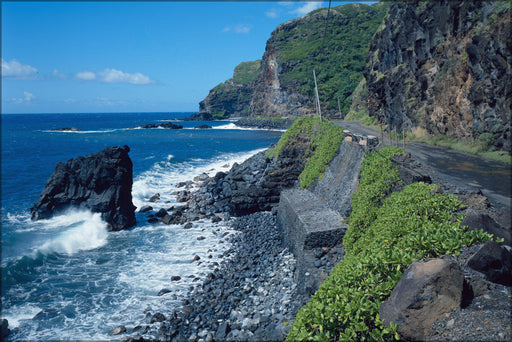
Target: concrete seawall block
{"x":308,"y":223}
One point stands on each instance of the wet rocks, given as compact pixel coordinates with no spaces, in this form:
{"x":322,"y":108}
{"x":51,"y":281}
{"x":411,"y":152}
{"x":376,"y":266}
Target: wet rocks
{"x":154,"y":198}
{"x":158,"y":317}
{"x":248,"y":296}
{"x":100,"y":182}
{"x":168,"y":125}
{"x":117,"y":331}
{"x":5,"y":329}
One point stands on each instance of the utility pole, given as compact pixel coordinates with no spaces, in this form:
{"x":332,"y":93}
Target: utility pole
{"x":339,"y":107}
{"x":318,"y":110}
{"x":403,"y":138}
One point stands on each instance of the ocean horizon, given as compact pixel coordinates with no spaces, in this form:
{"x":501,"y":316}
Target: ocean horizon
{"x":67,"y":277}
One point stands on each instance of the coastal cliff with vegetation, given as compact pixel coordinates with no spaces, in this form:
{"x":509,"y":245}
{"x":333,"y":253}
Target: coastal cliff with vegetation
{"x":440,"y":70}
{"x":283,"y":83}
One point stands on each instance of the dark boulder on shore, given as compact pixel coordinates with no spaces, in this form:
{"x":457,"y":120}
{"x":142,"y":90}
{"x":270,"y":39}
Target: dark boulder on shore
{"x":100,"y":182}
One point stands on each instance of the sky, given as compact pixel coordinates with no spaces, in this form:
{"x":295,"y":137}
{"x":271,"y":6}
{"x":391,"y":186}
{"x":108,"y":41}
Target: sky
{"x":128,"y":56}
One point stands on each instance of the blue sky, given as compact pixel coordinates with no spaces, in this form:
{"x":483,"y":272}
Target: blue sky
{"x":79,"y":57}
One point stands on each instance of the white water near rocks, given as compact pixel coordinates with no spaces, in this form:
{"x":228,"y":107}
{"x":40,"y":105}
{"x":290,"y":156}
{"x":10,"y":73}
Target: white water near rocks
{"x":67,"y":278}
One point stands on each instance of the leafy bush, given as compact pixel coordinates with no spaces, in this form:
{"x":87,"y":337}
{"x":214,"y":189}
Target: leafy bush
{"x":409,"y":225}
{"x":325,"y":139}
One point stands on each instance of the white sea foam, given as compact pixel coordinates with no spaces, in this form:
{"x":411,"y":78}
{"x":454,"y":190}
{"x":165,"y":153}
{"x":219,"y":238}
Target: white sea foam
{"x":233,"y":126}
{"x":83,"y":230}
{"x":163,"y":177}
{"x":82,"y":132}
{"x":16,"y":314}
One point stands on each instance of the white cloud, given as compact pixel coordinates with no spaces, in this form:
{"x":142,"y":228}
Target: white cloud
{"x":272,"y":13}
{"x":58,"y":75}
{"x":240,"y":28}
{"x":15,"y":69}
{"x":86,"y":75}
{"x":117,"y":76}
{"x":114,"y":76}
{"x":307,"y":7}
{"x":27,"y":98}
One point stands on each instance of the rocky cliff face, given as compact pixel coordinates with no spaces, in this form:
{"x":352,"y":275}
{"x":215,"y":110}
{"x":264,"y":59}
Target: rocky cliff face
{"x":100,"y":182}
{"x":444,"y":66}
{"x":231,"y":98}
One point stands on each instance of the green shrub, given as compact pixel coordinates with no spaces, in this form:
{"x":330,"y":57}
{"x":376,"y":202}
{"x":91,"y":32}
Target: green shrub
{"x":325,"y":141}
{"x":408,"y":225}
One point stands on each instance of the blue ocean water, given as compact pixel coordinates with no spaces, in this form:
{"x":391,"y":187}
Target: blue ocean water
{"x":67,"y":278}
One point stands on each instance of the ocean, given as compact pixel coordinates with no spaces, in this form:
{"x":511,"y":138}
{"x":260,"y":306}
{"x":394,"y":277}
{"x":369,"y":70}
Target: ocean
{"x":67,"y":278}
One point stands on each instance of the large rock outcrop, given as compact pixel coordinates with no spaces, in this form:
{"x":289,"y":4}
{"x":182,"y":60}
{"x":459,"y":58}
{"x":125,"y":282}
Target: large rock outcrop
{"x":232,"y":97}
{"x":427,"y":291}
{"x":444,"y":67}
{"x":100,"y":182}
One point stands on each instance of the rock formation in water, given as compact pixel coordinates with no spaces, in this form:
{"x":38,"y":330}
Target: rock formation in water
{"x":101,"y":183}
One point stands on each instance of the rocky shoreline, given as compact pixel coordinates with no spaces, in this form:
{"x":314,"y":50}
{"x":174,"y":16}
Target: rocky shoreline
{"x":250,"y":296}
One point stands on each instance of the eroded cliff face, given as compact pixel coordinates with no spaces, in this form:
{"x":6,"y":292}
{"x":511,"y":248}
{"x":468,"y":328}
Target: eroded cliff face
{"x":231,"y":98}
{"x":269,"y":97}
{"x":444,"y":66}
{"x":228,"y":99}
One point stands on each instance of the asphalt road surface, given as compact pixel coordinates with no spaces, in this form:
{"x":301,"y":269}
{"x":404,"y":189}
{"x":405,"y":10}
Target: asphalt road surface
{"x":461,"y":169}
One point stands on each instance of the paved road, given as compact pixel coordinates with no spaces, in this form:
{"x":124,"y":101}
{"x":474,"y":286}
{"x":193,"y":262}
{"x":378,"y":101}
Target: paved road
{"x":454,"y":167}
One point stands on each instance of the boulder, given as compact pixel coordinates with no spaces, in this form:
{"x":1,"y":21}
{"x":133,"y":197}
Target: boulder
{"x":5,"y":329}
{"x":158,"y":317}
{"x":101,"y":183}
{"x":427,"y":291}
{"x":161,"y":213}
{"x":119,"y":330}
{"x":488,"y":224}
{"x":145,"y":209}
{"x":494,"y":261}
{"x":154,"y":198}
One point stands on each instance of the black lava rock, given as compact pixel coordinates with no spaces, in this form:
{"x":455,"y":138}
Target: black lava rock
{"x":100,"y":182}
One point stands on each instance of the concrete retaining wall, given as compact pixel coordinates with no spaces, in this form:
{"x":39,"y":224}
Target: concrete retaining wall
{"x":314,"y":218}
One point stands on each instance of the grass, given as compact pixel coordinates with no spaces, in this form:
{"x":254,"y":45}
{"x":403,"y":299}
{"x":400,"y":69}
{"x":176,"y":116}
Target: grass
{"x":386,"y":233}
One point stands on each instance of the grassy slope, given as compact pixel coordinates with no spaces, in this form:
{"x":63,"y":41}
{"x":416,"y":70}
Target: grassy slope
{"x":340,"y":61}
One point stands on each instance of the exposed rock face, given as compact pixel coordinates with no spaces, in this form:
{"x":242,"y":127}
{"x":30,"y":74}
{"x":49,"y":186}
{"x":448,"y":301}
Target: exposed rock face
{"x":426,"y":292}
{"x":100,"y":182}
{"x":444,"y":66}
{"x":227,"y":99}
{"x":232,"y":97}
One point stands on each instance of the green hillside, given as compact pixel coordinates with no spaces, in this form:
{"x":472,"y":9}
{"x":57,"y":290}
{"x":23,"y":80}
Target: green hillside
{"x":338,"y":60}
